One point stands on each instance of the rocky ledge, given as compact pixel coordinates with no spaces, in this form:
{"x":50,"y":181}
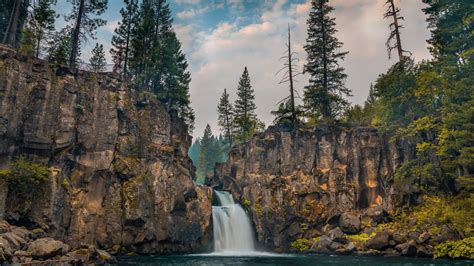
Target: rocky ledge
{"x":92,"y":162}
{"x":329,"y":190}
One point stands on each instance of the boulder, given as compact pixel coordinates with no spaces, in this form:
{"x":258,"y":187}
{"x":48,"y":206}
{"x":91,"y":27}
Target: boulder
{"x":46,"y":248}
{"x":6,"y":250}
{"x":424,"y":251}
{"x":350,"y":223}
{"x":322,"y":245}
{"x":407,"y":248}
{"x":399,"y":238}
{"x":423,"y":238}
{"x":337,"y":235}
{"x":380,"y":241}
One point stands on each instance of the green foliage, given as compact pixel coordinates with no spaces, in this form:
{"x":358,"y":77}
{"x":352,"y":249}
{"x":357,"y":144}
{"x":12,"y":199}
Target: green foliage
{"x":24,"y":173}
{"x":284,"y":114}
{"x":156,"y":60}
{"x":212,"y":150}
{"x":360,"y":238}
{"x":461,"y":249}
{"x":41,"y":24}
{"x":247,"y":203}
{"x":324,"y":96}
{"x":97,"y":61}
{"x":123,"y":33}
{"x":245,"y":118}
{"x":27,"y":42}
{"x":225,"y":110}
{"x":90,"y":20}
{"x":300,"y":244}
{"x":433,"y":213}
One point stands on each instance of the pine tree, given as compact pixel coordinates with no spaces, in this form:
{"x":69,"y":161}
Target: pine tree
{"x":206,"y":163}
{"x":245,"y":119}
{"x":225,"y":111}
{"x":121,"y":41}
{"x":41,"y":23}
{"x":372,"y":97}
{"x":59,"y":49}
{"x":394,"y":41}
{"x":14,"y":14}
{"x":97,"y":61}
{"x":324,"y":96}
{"x":84,"y":24}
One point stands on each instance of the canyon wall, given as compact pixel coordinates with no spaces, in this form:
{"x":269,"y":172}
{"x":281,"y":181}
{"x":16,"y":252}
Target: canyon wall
{"x":295,"y":183}
{"x":120,"y":177}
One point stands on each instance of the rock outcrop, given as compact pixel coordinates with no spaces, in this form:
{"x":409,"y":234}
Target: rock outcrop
{"x":120,"y":178}
{"x":302,"y":183}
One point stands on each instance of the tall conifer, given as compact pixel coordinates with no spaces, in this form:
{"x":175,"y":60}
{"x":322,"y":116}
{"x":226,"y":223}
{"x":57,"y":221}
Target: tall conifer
{"x":324,"y":96}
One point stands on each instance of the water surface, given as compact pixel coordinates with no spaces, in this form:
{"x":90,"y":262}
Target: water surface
{"x":269,"y":259}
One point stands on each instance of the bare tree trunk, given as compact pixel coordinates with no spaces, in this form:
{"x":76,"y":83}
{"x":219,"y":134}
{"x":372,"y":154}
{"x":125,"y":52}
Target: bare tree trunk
{"x":397,"y":31}
{"x":12,"y":28}
{"x":290,"y":72}
{"x":76,"y":35}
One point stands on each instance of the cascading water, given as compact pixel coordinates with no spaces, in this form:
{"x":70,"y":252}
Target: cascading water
{"x":232,"y":229}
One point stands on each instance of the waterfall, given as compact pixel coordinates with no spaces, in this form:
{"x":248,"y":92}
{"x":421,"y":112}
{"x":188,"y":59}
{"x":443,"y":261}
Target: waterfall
{"x":232,"y":229}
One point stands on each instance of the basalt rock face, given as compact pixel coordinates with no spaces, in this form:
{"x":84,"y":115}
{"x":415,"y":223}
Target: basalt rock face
{"x":301,"y":183}
{"x":120,"y":175}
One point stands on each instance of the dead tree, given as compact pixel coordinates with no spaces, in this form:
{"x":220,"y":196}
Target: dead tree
{"x":291,"y":71}
{"x":394,"y":41}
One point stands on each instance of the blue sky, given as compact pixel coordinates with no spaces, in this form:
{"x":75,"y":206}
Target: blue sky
{"x":221,"y":37}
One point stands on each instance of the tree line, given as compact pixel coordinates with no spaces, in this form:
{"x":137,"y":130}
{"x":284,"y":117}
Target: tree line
{"x":145,"y":49}
{"x":429,"y":103}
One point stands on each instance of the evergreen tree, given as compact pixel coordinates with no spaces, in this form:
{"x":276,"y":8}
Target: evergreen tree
{"x":194,"y":151}
{"x":41,"y":23}
{"x":59,"y":49}
{"x":206,"y":161}
{"x":285,"y":114}
{"x":14,"y":14}
{"x":324,"y":96}
{"x":121,"y":45}
{"x":245,"y":119}
{"x":225,"y":119}
{"x":394,"y":41}
{"x":372,"y":97}
{"x":451,"y":24}
{"x":157,"y":62}
{"x":97,"y":61}
{"x":84,"y":24}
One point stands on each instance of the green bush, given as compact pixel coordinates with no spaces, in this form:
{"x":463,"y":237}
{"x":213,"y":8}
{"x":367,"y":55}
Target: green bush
{"x":301,"y":244}
{"x":456,"y":249}
{"x":360,"y":238}
{"x":24,"y":173}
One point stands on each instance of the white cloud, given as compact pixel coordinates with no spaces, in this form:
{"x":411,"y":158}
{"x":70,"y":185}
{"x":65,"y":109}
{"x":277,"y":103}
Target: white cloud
{"x":218,"y":57}
{"x":190,"y":13}
{"x":111,"y":25}
{"x":189,"y":2}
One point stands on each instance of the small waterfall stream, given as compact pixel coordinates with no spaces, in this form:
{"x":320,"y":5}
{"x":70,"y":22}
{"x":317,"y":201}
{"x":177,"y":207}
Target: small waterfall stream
{"x":233,"y":233}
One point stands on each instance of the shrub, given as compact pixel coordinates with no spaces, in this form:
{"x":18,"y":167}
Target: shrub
{"x":247,"y":203}
{"x":360,"y":238}
{"x":456,"y":249}
{"x":24,"y":173}
{"x":301,"y":244}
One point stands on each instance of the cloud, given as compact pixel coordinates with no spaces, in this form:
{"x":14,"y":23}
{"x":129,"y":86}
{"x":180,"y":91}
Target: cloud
{"x":218,"y":56}
{"x":189,"y":2}
{"x":190,"y":13}
{"x":111,"y":25}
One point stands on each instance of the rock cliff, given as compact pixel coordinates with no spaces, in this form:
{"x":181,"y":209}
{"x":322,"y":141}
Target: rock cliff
{"x":120,"y":178}
{"x":295,"y":183}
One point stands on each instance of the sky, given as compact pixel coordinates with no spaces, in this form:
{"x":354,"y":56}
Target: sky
{"x":221,"y":37}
